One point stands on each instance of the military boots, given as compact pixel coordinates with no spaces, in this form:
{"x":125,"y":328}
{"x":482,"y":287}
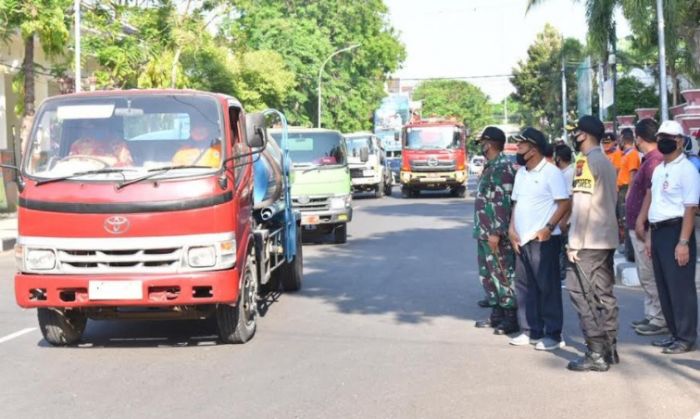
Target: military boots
{"x":509,"y":324}
{"x":494,"y":319}
{"x":593,"y":360}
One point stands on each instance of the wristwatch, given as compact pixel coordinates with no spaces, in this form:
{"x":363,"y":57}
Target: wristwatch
{"x":683,"y":242}
{"x":551,"y":227}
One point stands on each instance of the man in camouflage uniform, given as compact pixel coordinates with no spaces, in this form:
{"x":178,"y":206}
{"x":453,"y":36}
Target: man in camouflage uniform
{"x":492,"y":210}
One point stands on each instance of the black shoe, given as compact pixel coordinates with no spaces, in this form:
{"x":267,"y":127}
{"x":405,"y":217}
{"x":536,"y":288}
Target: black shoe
{"x":494,"y":319}
{"x":509,"y":324}
{"x":638,"y":323}
{"x":485,"y":303}
{"x":663,"y":343}
{"x":592,"y":361}
{"x":611,"y":356}
{"x":677,"y":347}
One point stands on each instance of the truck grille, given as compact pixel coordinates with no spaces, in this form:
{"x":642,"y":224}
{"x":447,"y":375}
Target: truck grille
{"x":315,"y":203}
{"x":355,"y":173}
{"x":166,"y":259}
{"x":436,"y":166}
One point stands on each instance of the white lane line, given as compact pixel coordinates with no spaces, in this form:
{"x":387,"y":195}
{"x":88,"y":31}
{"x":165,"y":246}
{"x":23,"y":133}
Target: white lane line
{"x":17,"y":334}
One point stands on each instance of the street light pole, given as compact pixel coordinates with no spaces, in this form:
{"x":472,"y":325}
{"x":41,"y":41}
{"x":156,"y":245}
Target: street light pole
{"x":78,"y":76}
{"x":564,"y":111}
{"x":320,"y":72}
{"x":662,"y":59}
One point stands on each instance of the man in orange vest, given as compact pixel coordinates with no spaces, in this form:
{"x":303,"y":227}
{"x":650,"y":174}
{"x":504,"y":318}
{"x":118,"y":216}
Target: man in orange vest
{"x":612,"y":152}
{"x":203,"y":149}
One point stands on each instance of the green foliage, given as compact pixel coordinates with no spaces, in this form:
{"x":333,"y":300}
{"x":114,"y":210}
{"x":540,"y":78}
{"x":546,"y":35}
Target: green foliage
{"x":305,"y":33}
{"x":632,"y":94}
{"x":459,"y":99}
{"x":537,"y":79}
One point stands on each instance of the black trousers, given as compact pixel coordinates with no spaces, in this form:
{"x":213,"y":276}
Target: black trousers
{"x":538,"y":288}
{"x":676,"y":284}
{"x":590,"y":283}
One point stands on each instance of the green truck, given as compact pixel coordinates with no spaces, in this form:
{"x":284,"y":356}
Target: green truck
{"x":321,"y":187}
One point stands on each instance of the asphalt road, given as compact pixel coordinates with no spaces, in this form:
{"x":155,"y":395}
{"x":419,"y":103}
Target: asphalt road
{"x":384,"y":327}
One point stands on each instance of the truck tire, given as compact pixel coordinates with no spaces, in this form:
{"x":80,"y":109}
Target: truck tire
{"x":459,"y":192}
{"x":61,"y":327}
{"x":406,"y":192}
{"x":340,"y":233}
{"x":388,"y":189}
{"x":292,"y":273}
{"x":237,"y":323}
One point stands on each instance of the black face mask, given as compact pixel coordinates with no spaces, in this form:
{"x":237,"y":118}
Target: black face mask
{"x":520,"y":159}
{"x":577,"y":145}
{"x":484,"y":150}
{"x":667,"y":146}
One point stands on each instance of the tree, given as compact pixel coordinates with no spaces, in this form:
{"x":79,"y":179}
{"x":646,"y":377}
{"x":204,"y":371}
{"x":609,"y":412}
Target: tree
{"x":632,"y":94}
{"x":305,"y":32}
{"x":459,"y":99}
{"x":44,"y":20}
{"x":537,"y":79}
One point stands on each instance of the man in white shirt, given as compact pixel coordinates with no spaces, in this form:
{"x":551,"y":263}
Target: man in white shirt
{"x":541,"y":199}
{"x":675,"y":191}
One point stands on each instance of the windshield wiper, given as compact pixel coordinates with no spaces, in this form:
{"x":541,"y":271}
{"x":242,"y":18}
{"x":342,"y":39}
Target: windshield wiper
{"x":159,"y":171}
{"x":77,"y":174}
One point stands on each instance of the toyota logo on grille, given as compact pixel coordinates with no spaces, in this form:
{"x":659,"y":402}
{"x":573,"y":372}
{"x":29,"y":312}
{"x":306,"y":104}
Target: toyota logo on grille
{"x":303,"y":200}
{"x":432,"y":161}
{"x":117,"y":224}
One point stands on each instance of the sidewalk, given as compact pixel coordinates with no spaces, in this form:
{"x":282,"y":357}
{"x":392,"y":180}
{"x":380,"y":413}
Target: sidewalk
{"x":8,"y":231}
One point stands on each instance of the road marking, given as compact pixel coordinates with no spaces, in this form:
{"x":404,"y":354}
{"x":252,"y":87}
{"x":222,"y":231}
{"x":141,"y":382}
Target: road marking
{"x":17,"y":334}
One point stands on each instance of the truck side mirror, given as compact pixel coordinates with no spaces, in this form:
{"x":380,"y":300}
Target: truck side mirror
{"x":256,"y":132}
{"x":364,"y":154}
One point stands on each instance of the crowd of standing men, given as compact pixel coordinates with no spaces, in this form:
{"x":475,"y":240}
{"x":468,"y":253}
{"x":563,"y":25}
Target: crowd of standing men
{"x":559,"y":218}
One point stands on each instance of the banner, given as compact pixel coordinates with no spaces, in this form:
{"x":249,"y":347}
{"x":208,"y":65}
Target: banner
{"x":584,"y":80}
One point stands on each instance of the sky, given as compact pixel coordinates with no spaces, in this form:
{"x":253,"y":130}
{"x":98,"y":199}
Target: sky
{"x":467,"y":38}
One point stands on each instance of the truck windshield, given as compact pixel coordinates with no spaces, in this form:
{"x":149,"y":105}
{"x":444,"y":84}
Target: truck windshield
{"x":78,"y":137}
{"x":315,"y":148}
{"x":355,"y":144}
{"x":433,"y":138}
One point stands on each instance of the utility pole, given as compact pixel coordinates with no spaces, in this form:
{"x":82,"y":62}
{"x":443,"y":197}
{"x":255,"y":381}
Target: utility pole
{"x":563,"y":97}
{"x":76,"y":28}
{"x":662,"y":59}
{"x":320,"y":72}
{"x":613,"y":63}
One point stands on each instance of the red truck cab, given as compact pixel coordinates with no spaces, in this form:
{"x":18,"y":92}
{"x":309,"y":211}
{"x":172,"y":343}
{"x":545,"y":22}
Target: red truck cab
{"x":434,"y":157}
{"x":137,"y":204}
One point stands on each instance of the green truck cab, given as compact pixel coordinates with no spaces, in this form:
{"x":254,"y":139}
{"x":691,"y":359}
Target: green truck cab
{"x":321,"y":187}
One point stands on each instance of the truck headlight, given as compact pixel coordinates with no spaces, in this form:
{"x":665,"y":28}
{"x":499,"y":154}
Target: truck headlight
{"x":405,"y":177}
{"x":340,"y":202}
{"x":201,"y":256}
{"x":39,"y":259}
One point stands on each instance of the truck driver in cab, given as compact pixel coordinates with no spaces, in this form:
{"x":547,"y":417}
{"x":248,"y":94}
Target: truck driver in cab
{"x":203,"y":148}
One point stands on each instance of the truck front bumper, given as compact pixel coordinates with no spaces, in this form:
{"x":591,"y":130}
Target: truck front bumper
{"x":365,"y":183}
{"x":192,"y":288}
{"x":322,"y":218}
{"x":433,"y":180}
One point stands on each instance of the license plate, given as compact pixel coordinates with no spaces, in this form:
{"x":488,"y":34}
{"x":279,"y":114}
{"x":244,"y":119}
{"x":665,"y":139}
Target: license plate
{"x":310,"y":219}
{"x":431,"y":179}
{"x":115,"y":290}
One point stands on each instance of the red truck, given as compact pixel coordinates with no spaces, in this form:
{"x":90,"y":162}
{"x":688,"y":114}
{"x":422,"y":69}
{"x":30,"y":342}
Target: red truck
{"x":434,"y":157}
{"x":152,"y":204}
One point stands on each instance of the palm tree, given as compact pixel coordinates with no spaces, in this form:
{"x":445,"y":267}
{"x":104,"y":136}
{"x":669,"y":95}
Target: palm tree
{"x":45,"y":20}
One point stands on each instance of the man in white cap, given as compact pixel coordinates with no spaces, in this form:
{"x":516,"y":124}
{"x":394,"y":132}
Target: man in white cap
{"x":675,"y":191}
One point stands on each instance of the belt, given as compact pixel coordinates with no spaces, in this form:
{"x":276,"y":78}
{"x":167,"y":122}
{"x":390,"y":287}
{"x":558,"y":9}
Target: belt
{"x":666,"y":223}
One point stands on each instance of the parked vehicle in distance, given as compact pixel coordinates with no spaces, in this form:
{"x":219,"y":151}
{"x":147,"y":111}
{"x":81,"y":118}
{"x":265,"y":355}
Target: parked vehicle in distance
{"x":391,"y":143}
{"x":476,"y":165}
{"x":136,"y":204}
{"x":321,"y":188}
{"x":368,"y":167}
{"x":434,"y":157}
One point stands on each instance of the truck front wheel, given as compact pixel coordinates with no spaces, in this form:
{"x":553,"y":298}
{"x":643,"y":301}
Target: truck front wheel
{"x":237,"y":323}
{"x":340,"y":233}
{"x":379,"y":191}
{"x":61,"y":327}
{"x":293,"y":272}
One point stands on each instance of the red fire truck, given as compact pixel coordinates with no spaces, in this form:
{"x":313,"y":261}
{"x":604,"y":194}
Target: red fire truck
{"x":434,"y":157}
{"x":152,"y":204}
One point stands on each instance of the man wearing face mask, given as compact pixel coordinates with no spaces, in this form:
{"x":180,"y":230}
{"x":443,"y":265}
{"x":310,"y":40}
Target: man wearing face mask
{"x":611,"y":150}
{"x":541,"y":199}
{"x":675,"y":191}
{"x":492,"y":210}
{"x":593,"y":238}
{"x":653,"y":322}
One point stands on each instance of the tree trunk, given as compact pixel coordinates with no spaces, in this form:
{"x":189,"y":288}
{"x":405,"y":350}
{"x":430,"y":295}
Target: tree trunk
{"x":674,"y":86}
{"x":29,"y":110}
